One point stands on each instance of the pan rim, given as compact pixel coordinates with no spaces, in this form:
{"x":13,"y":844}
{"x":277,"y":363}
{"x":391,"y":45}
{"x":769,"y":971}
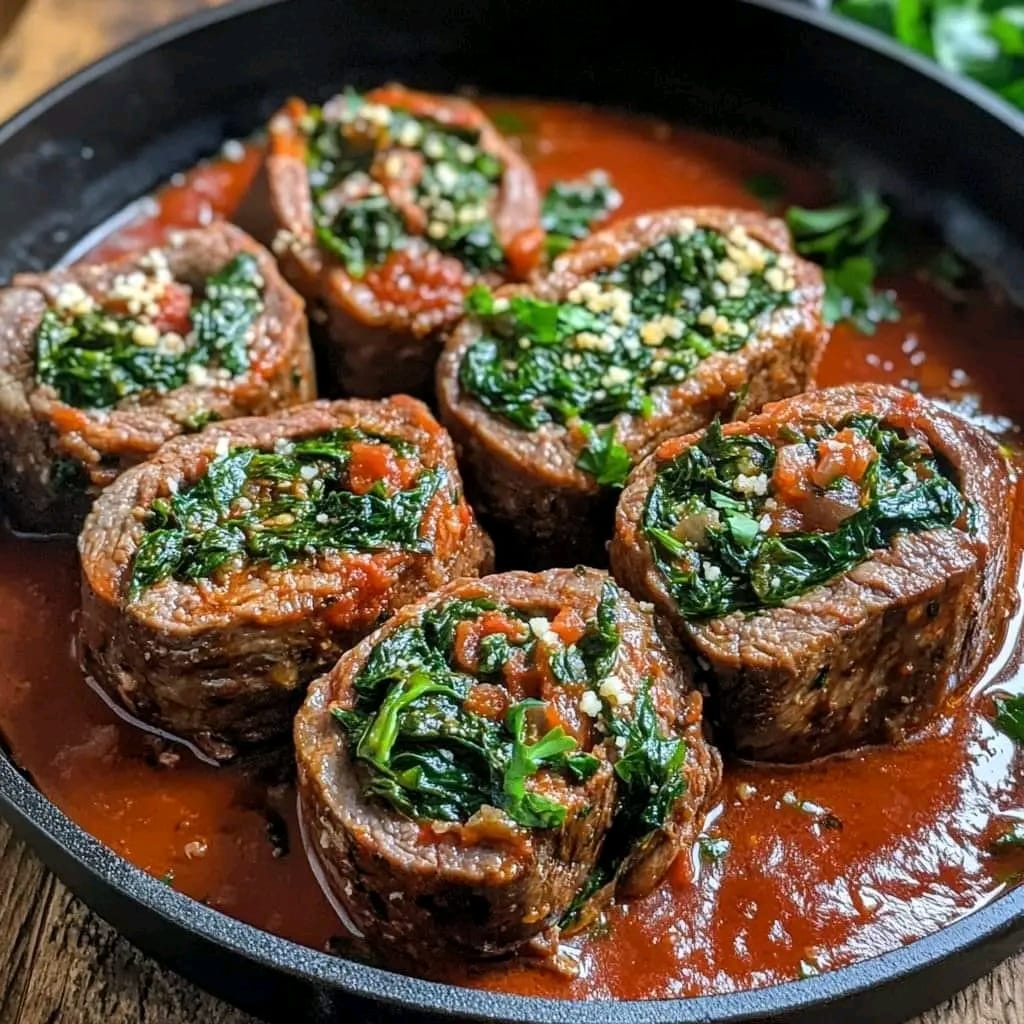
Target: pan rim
{"x":22,"y":804}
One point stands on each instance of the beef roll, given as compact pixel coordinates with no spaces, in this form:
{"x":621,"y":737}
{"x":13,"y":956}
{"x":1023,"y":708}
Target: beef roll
{"x":236,"y":565}
{"x":101,"y":364}
{"x":650,"y":328}
{"x":830,"y":562}
{"x":497,"y":761}
{"x":390,"y":206}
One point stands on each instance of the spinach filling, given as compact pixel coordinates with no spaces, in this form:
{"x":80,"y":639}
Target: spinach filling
{"x":650,"y":776}
{"x":645,"y":324}
{"x":709,"y":515}
{"x":430,"y":756}
{"x":572,"y":208}
{"x":94,"y":358}
{"x":281,"y":507}
{"x":361,"y":155}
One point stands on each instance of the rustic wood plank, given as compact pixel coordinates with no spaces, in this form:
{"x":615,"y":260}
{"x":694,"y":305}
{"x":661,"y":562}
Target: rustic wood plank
{"x":52,"y":38}
{"x":59,"y":962}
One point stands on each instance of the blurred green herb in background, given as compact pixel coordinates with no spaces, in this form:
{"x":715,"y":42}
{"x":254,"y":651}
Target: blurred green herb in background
{"x":983,"y":39}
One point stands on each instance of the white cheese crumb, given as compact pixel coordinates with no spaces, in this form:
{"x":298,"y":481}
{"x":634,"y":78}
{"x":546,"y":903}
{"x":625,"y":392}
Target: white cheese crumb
{"x":613,"y":691}
{"x":222,"y":446}
{"x":539,"y":626}
{"x":757,"y":484}
{"x":711,"y":572}
{"x":198,"y":375}
{"x":590,"y":703}
{"x":145,"y":335}
{"x":615,"y":375}
{"x":74,"y":298}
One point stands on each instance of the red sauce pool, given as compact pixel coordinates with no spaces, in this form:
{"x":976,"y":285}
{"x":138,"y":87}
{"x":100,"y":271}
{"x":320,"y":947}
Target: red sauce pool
{"x":913,"y":853}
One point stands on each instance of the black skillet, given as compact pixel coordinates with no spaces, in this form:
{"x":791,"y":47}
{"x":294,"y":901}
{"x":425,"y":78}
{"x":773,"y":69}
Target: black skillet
{"x":762,"y":68}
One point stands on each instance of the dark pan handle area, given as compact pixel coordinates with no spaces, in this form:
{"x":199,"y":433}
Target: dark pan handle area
{"x":761,"y":68}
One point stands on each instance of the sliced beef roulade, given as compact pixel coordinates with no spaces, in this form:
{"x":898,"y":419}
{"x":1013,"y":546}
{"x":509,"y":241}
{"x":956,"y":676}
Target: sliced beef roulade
{"x":647,"y":329}
{"x":390,"y":206}
{"x":99,"y":365}
{"x":224,"y":574}
{"x":498,"y":759}
{"x":831,"y":563}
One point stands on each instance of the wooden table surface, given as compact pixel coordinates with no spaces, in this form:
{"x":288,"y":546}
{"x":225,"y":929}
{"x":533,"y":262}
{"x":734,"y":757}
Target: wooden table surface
{"x":59,"y":963}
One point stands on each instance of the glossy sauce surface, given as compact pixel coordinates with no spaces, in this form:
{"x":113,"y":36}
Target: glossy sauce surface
{"x":827,"y":864}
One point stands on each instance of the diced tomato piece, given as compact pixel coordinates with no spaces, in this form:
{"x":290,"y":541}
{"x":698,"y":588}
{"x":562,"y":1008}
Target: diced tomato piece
{"x":487,"y":700}
{"x":791,"y":479}
{"x":524,"y":678}
{"x":466,"y":647}
{"x":524,"y":252}
{"x":847,"y":454}
{"x":175,"y":310}
{"x":371,"y":463}
{"x":498,"y":622}
{"x":569,"y":626}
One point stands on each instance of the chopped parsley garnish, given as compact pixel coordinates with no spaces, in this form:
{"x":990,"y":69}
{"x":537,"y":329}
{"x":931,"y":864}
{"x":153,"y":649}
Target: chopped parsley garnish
{"x":94,"y":357}
{"x":713,"y":848}
{"x":645,"y":324}
{"x":279,"y":507}
{"x":369,"y":163}
{"x":572,"y":208}
{"x":604,"y":458}
{"x":425,"y":750}
{"x":709,"y":516}
{"x":1012,"y":838}
{"x":846,"y":239}
{"x":984,"y":41}
{"x":1010,"y":716}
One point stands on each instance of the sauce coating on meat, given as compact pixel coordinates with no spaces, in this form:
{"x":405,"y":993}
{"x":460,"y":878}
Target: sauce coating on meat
{"x":804,"y":869}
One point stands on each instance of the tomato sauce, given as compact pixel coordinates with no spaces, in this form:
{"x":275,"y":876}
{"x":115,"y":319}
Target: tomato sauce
{"x":826,"y":864}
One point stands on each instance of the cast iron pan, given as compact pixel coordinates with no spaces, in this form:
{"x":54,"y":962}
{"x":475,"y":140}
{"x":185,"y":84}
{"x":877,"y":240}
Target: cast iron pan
{"x":760,"y":68}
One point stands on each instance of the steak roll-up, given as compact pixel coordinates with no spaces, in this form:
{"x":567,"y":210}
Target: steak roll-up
{"x":390,"y":206}
{"x":101,"y":364}
{"x":497,"y":761}
{"x":224,"y":574}
{"x":831,"y":563}
{"x":644,"y":330}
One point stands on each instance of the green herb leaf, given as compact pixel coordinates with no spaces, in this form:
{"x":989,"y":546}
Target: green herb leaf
{"x":650,"y":766}
{"x":651,"y":781}
{"x":1010,"y":716}
{"x":1010,"y":839}
{"x":712,"y":849}
{"x":525,"y":807}
{"x":604,"y":458}
{"x":983,"y":39}
{"x":846,"y":239}
{"x":510,"y":122}
{"x":572,"y":208}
